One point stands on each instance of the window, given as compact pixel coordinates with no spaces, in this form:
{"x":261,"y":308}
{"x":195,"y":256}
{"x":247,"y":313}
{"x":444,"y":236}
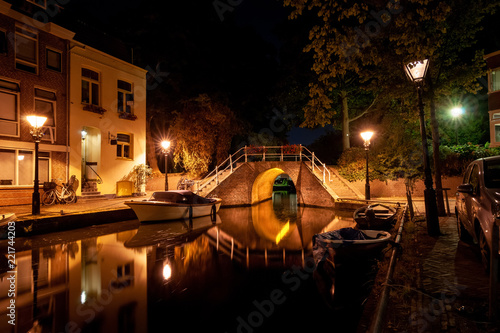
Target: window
{"x":495,"y":80}
{"x":474,"y":180}
{"x":3,"y":42}
{"x":497,"y":133}
{"x":124,"y":146}
{"x":26,"y":50}
{"x":54,"y":60}
{"x":496,"y":116}
{"x":9,"y":115}
{"x":125,"y":97}
{"x":90,"y":87}
{"x":45,"y":106}
{"x":18,"y":167}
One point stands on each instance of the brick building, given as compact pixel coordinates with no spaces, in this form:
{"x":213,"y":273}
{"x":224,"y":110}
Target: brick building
{"x":33,"y":80}
{"x":493,"y":62}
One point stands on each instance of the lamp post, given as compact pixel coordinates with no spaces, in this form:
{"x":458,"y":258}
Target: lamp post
{"x":416,"y":72}
{"x":456,"y":112}
{"x":366,"y":137}
{"x":165,"y":148}
{"x":36,"y":123}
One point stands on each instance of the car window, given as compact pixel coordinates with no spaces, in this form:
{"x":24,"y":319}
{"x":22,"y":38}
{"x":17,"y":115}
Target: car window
{"x":474,"y":179}
{"x":466,"y":175}
{"x":492,"y":174}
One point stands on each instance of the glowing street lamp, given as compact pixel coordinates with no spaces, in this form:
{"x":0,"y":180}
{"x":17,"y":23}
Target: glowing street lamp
{"x":165,"y":148}
{"x":416,"y":72}
{"x":366,"y":137}
{"x":456,"y":113}
{"x":36,"y":132}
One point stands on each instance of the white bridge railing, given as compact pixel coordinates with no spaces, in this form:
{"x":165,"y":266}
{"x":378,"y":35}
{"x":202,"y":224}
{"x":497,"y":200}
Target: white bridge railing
{"x":264,"y":153}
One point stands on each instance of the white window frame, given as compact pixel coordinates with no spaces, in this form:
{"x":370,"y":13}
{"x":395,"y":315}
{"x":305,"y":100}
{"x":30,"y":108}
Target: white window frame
{"x":15,"y":181}
{"x":17,"y":94}
{"x":124,"y":100}
{"x":26,"y":33}
{"x":91,"y":81}
{"x":121,"y":144}
{"x":48,"y":131}
{"x":47,"y":49}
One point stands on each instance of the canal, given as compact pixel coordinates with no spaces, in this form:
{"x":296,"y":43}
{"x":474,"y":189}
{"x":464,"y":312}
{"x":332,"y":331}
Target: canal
{"x":251,"y":270}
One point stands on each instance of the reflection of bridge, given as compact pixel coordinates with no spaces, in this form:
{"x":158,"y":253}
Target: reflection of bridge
{"x":247,"y":177}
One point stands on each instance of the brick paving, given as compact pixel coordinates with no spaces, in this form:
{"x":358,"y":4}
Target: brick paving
{"x":451,"y":283}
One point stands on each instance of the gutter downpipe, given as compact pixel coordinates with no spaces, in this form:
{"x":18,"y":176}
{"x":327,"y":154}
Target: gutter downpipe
{"x":382,"y":304}
{"x":68,"y":102}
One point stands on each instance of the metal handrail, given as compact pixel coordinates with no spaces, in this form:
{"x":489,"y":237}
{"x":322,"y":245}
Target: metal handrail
{"x":282,"y":152}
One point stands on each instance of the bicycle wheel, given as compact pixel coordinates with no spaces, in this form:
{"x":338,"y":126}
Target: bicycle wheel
{"x":70,"y":196}
{"x":48,"y":198}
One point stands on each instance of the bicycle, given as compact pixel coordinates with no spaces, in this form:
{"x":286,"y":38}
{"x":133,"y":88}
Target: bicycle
{"x":61,"y":193}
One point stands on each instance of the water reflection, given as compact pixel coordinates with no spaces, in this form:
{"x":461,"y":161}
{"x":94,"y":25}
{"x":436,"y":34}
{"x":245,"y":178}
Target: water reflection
{"x":204,"y":275}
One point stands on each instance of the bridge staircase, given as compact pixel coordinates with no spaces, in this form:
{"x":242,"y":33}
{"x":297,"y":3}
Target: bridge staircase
{"x":329,"y":178}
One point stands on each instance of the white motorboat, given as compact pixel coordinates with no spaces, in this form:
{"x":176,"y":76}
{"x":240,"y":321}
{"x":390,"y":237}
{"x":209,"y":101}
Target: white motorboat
{"x":174,"y":205}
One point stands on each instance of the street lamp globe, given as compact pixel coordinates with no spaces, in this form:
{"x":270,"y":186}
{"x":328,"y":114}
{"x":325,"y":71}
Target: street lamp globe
{"x":36,"y":121}
{"x":366,"y":137}
{"x":417,"y":70}
{"x":457,"y":111}
{"x":165,"y":144}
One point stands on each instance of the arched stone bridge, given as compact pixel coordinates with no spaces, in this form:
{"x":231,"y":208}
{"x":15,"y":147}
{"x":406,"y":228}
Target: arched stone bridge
{"x":252,"y":182}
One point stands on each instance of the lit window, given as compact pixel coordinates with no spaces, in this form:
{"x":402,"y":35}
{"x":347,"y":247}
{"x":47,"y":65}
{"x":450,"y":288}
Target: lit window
{"x":45,"y":106}
{"x":9,"y":115}
{"x":18,"y":166}
{"x":54,"y":60}
{"x":495,"y":80}
{"x":125,"y":97}
{"x":124,"y":145}
{"x":26,"y":50}
{"x":497,"y":133}
{"x":90,"y":87}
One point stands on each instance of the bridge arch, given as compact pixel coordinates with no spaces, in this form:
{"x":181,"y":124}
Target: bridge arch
{"x":262,"y":188}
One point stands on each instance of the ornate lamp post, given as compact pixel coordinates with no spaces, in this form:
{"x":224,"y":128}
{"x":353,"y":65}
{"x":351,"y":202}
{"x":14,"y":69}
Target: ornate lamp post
{"x":165,"y":148}
{"x":36,"y":123}
{"x":456,"y":112}
{"x":416,"y":72}
{"x":366,"y":137}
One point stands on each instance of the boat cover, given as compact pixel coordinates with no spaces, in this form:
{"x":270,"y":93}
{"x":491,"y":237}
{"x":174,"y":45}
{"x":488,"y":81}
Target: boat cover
{"x":184,"y":197}
{"x":322,"y":243}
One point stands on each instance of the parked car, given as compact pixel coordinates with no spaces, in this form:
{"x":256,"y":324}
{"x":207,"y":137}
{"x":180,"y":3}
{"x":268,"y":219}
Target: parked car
{"x":478,"y":202}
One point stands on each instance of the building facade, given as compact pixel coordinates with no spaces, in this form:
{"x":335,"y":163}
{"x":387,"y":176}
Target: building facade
{"x":493,"y":62}
{"x":107,"y":118}
{"x":95,"y":106}
{"x":33,"y":80}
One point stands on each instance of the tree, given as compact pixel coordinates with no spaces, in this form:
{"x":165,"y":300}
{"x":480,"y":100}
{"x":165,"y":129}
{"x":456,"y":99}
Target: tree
{"x":203,"y":129}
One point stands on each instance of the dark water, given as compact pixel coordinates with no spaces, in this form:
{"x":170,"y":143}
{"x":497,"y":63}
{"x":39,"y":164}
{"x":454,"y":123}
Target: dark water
{"x":251,"y":271}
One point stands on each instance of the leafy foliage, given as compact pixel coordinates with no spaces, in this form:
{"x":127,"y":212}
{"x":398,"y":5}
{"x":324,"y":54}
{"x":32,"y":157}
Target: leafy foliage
{"x":203,"y":129}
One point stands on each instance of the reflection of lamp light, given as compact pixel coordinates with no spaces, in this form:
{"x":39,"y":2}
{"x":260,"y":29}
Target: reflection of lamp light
{"x":83,"y":297}
{"x":283,"y":232}
{"x":20,"y":157}
{"x":167,"y":271}
{"x":36,"y":132}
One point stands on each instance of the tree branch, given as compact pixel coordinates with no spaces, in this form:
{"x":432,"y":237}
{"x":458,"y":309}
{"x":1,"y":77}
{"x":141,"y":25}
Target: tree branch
{"x":364,"y":112}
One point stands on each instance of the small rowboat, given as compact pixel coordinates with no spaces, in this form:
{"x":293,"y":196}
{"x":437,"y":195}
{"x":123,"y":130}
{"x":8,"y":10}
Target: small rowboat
{"x":375,"y":216}
{"x":349,"y":244}
{"x":174,"y":205}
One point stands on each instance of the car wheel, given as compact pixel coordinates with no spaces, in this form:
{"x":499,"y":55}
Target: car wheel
{"x":463,"y":234}
{"x":485,"y":251}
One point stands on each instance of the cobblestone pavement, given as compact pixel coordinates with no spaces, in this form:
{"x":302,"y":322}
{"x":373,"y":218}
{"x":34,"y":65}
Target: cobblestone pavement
{"x":453,"y":286}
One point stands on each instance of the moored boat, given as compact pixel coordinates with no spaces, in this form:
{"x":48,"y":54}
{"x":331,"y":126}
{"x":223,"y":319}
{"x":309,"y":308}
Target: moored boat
{"x":348,"y":244}
{"x":174,"y":205}
{"x":376,"y":216}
